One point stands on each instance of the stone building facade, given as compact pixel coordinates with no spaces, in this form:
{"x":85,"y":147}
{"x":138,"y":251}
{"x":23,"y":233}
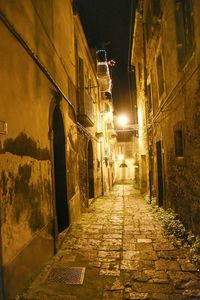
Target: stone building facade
{"x":165,"y":54}
{"x":106,"y":132}
{"x":126,"y":162}
{"x":88,"y":102}
{"x":50,"y":155}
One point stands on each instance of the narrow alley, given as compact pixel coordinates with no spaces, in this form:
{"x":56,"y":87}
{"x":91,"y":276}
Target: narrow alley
{"x":121,"y":246}
{"x":99,"y":116}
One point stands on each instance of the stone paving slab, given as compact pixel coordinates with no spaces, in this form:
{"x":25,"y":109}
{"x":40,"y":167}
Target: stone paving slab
{"x":123,"y":247}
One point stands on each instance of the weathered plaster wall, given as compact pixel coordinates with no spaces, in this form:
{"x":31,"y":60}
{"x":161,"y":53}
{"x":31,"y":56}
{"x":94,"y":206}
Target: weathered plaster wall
{"x":25,"y":170}
{"x":26,"y":200}
{"x":180,"y":103}
{"x":26,"y":196}
{"x":73,"y":192}
{"x":138,"y":60}
{"x":83,"y":182}
{"x":183,"y":173}
{"x":91,"y":88}
{"x":40,"y":23}
{"x":83,"y":169}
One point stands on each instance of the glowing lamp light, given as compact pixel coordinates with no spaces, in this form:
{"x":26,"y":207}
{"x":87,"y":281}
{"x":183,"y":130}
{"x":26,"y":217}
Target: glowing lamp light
{"x":122,"y":120}
{"x":120,"y":156}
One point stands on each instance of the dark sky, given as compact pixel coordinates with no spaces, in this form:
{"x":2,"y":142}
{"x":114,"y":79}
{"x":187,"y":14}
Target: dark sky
{"x":107,"y":26}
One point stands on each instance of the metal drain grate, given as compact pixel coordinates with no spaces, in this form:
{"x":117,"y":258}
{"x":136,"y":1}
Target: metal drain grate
{"x":72,"y":275}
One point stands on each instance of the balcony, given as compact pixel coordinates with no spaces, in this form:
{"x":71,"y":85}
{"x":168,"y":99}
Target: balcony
{"x":103,"y":76}
{"x":85,"y":114}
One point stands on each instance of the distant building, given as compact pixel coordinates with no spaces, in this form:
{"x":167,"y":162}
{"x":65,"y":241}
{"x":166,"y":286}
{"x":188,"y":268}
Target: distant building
{"x":165,"y":54}
{"x":106,"y":131}
{"x":126,"y":150}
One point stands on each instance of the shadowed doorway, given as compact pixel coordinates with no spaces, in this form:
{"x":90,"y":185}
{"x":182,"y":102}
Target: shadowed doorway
{"x":60,"y":171}
{"x":90,"y":171}
{"x":160,"y":174}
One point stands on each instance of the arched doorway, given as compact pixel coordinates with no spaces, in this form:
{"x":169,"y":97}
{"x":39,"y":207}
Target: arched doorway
{"x":90,"y":171}
{"x":62,"y":212}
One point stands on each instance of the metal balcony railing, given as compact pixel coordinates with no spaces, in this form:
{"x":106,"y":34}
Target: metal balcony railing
{"x":103,"y":76}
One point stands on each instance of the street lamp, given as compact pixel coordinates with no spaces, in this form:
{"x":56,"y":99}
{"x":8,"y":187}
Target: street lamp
{"x":121,"y":156}
{"x":123,"y":120}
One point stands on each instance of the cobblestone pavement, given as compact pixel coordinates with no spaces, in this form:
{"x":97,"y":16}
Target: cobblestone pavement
{"x":122,"y":245}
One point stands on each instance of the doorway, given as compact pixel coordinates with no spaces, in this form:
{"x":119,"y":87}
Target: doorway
{"x":90,"y":171}
{"x":160,"y":174}
{"x":143,"y":174}
{"x":62,"y":212}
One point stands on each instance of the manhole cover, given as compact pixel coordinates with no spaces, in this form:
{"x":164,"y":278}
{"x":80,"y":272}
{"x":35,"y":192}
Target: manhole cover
{"x":72,"y":275}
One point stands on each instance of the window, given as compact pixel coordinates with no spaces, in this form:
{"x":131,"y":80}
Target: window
{"x":152,"y":15}
{"x":89,"y":86}
{"x":179,"y":139}
{"x":184,"y":30}
{"x":160,"y":75}
{"x":149,"y":98}
{"x":156,"y":8}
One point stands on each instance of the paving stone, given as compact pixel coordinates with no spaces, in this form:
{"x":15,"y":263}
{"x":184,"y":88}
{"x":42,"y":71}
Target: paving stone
{"x":157,"y":276}
{"x":172,"y":254}
{"x":180,"y":278}
{"x":147,"y":264}
{"x":106,"y":254}
{"x":111,"y":242}
{"x":159,"y":296}
{"x":148,"y":255}
{"x":165,"y":265}
{"x":152,"y":287}
{"x":131,"y":255}
{"x":115,"y":284}
{"x":144,"y":241}
{"x":130,"y":265}
{"x":112,"y":236}
{"x":125,"y":252}
{"x":129,"y":246}
{"x":114,"y":295}
{"x":108,"y":272}
{"x":186,"y":265}
{"x":140,"y":276}
{"x":192,"y":293}
{"x":163,"y":246}
{"x":138,"y":296}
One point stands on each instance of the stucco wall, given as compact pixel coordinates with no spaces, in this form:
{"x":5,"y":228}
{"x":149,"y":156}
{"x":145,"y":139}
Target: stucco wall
{"x":179,"y":103}
{"x":28,"y":98}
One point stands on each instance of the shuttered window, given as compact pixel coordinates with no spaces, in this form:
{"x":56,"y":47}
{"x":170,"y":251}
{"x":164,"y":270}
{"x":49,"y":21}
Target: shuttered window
{"x":184,"y":30}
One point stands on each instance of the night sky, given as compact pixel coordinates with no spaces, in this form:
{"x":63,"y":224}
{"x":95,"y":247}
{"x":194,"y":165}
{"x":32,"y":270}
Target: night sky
{"x":107,"y":26}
